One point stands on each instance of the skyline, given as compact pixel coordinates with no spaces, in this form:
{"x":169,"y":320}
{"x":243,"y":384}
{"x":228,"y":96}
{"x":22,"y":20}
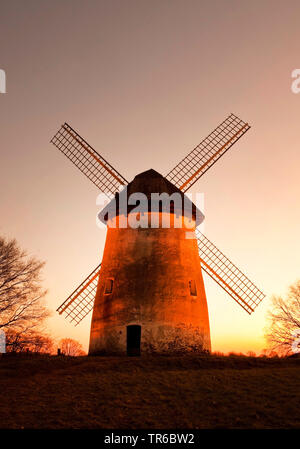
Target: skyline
{"x":153,"y":92}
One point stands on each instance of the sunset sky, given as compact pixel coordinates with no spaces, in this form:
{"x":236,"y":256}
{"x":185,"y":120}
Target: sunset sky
{"x":144,"y":82}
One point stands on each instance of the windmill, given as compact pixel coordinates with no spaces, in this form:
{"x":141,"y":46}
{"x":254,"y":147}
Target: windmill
{"x":148,"y":293}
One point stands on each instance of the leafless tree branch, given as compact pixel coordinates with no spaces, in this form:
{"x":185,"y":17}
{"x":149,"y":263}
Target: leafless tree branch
{"x":21,"y":291}
{"x":283,"y":319}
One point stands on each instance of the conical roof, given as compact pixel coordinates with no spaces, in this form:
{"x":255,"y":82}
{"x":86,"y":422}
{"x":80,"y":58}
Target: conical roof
{"x":149,"y":183}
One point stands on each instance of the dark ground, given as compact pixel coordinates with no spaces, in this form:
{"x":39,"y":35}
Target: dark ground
{"x":149,"y":392}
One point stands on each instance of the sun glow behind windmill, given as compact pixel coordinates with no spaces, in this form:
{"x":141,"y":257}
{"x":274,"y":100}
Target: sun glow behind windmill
{"x":148,"y":293}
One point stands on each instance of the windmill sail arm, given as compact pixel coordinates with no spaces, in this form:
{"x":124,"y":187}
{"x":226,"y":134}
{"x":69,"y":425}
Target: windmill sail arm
{"x":208,"y":152}
{"x":79,"y":304}
{"x":88,"y":160}
{"x":227,"y":275}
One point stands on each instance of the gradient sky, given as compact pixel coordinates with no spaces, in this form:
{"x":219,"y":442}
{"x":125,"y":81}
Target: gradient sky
{"x":144,"y":82}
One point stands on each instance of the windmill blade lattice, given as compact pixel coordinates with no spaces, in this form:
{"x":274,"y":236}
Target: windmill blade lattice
{"x":206,"y":154}
{"x":80,"y":303}
{"x":89,"y":162}
{"x":227,"y":275}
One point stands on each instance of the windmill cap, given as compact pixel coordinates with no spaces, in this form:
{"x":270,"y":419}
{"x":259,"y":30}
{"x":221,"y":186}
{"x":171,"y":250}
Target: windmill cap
{"x":148,"y":183}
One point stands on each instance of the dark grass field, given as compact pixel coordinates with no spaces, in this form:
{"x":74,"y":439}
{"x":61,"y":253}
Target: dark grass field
{"x":149,"y":392}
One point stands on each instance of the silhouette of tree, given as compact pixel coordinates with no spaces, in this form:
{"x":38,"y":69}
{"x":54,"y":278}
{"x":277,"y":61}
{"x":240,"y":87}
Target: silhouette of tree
{"x":21,"y":294}
{"x":31,"y":340}
{"x":71,"y":347}
{"x":284,"y":321}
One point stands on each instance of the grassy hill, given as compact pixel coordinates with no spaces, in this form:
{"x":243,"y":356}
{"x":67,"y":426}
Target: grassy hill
{"x":149,"y":392}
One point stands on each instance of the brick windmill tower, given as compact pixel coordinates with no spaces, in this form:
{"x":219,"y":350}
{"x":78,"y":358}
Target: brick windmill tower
{"x":148,"y":294}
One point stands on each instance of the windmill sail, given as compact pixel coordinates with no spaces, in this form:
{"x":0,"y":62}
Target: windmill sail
{"x":79,"y":304}
{"x":206,"y":154}
{"x":227,"y":275}
{"x":89,"y":162}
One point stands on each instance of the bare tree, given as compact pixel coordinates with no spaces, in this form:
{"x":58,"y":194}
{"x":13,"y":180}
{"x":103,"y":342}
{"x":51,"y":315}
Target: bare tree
{"x":284,"y":320}
{"x":21,"y":294}
{"x":71,"y":347}
{"x":31,"y":340}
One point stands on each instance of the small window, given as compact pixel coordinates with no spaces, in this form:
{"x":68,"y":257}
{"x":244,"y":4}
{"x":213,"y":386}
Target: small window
{"x":193,"y":288}
{"x":109,"y":283}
